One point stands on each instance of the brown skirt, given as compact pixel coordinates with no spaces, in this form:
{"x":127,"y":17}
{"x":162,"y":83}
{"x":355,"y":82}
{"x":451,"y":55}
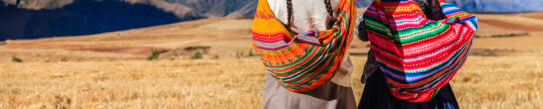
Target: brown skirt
{"x":329,"y":96}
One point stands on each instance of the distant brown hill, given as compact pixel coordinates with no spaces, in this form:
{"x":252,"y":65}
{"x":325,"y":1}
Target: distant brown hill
{"x":24,"y":19}
{"x":208,"y":8}
{"x":81,"y":17}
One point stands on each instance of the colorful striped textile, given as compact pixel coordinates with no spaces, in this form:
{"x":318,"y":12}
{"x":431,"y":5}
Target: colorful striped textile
{"x":417,"y":55}
{"x":305,"y":61}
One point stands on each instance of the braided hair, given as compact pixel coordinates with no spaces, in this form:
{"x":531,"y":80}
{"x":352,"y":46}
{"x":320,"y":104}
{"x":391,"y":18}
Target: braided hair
{"x":330,"y":12}
{"x":431,"y":9}
{"x":289,"y":10}
{"x":437,"y":12}
{"x":328,"y":8}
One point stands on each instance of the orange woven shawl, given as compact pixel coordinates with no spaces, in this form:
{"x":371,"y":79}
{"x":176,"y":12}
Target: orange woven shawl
{"x":302,"y":62}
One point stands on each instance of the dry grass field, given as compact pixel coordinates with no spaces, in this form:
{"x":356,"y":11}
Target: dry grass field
{"x":112,"y":70}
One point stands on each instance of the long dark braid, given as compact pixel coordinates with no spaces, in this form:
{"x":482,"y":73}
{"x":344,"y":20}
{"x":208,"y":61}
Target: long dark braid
{"x":289,"y":11}
{"x":436,"y":10}
{"x":328,"y":8}
{"x":330,"y":12}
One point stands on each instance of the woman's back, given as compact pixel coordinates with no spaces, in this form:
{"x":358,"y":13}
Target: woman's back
{"x":307,"y":14}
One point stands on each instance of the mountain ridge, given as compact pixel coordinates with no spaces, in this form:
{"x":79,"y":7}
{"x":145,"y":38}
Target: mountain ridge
{"x":24,"y":19}
{"x":83,"y":17}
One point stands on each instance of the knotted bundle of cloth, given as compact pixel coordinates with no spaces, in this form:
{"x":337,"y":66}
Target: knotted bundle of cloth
{"x":305,"y":61}
{"x":417,"y":54}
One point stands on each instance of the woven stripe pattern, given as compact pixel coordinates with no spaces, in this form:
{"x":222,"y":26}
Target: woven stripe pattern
{"x":305,"y":61}
{"x":418,"y":55}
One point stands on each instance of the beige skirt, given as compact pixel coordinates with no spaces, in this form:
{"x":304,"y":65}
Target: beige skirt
{"x":329,"y":96}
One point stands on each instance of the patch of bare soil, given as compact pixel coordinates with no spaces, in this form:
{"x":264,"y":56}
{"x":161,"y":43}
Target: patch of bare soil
{"x":492,"y":52}
{"x":186,"y":51}
{"x":536,"y":15}
{"x":508,"y":25}
{"x":140,"y":51}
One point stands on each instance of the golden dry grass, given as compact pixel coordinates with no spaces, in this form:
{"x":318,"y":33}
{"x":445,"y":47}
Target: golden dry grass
{"x":76,"y":72}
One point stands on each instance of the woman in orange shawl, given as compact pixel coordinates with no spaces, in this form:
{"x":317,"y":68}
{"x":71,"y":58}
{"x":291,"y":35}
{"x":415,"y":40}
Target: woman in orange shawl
{"x":303,"y":45}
